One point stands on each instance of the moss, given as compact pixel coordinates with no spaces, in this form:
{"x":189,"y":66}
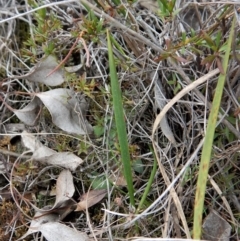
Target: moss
{"x":22,"y":32}
{"x":10,"y":214}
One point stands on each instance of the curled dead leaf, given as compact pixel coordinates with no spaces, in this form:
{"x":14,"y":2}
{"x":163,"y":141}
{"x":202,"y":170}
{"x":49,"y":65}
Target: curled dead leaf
{"x":90,"y":198}
{"x":30,"y":113}
{"x":54,"y":231}
{"x":46,"y":65}
{"x":68,"y":113}
{"x":38,"y":220}
{"x":65,"y":188}
{"x":160,"y":102}
{"x":46,"y":155}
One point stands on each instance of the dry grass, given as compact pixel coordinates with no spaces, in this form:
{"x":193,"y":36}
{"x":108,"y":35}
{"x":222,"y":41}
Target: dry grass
{"x":147,"y":43}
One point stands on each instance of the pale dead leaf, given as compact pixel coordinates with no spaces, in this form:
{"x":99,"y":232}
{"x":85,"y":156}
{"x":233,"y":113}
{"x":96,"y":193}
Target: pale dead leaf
{"x":64,"y":188}
{"x":66,"y":207}
{"x":67,"y":113}
{"x":73,"y":69}
{"x":90,"y":198}
{"x":39,"y":219}
{"x":62,"y":210}
{"x":47,"y":215}
{"x":151,"y":5}
{"x":160,"y":101}
{"x":44,"y":154}
{"x":14,"y":127}
{"x":43,"y":68}
{"x":30,"y":113}
{"x":215,"y":228}
{"x":30,"y":141}
{"x":63,"y":159}
{"x":56,"y":231}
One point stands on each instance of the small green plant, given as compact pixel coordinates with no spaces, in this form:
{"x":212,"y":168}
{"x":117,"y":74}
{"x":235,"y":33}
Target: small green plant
{"x":83,"y":86}
{"x":175,"y":84}
{"x":44,"y":25}
{"x":166,"y":9}
{"x":216,"y":47}
{"x":92,"y":26}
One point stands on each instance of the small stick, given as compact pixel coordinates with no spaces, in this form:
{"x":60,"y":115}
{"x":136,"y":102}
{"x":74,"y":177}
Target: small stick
{"x":70,"y":51}
{"x":64,"y":60}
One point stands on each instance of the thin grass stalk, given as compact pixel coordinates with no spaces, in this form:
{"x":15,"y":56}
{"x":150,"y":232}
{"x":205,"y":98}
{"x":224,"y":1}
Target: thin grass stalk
{"x":120,"y":122}
{"x":149,"y":183}
{"x":207,"y":146}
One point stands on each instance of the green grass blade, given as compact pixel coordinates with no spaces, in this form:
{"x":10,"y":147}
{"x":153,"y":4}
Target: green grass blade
{"x":149,"y":184}
{"x":207,"y":146}
{"x":117,"y":45}
{"x":120,"y":122}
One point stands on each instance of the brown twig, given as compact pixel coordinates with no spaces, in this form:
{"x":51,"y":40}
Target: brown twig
{"x":79,"y":38}
{"x":65,"y":59}
{"x":10,"y":153}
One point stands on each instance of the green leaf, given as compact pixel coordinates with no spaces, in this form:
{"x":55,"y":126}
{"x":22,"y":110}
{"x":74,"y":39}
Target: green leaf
{"x":184,"y":36}
{"x":98,"y":131}
{"x":223,"y":48}
{"x":100,"y":183}
{"x":42,"y":13}
{"x":218,"y":38}
{"x":163,"y":4}
{"x":149,"y":184}
{"x":116,"y":2}
{"x":138,"y":166}
{"x":120,"y":122}
{"x":208,"y":39}
{"x":117,"y":45}
{"x":208,"y":142}
{"x":171,"y":5}
{"x":193,"y":33}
